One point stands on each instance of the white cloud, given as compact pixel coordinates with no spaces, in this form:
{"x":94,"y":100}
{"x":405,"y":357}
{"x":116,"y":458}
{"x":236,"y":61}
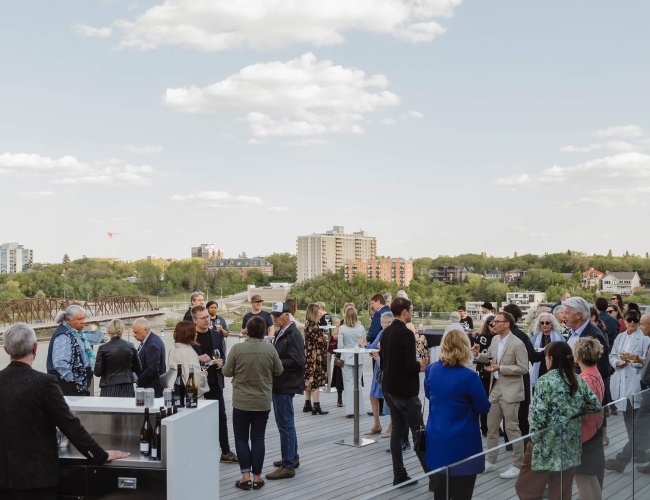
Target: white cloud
{"x":388,"y":121}
{"x":591,"y":175}
{"x":624,"y":131}
{"x":38,"y":194}
{"x":112,"y":172}
{"x":255,"y":142}
{"x":307,"y":142}
{"x":414,"y":114}
{"x":216,"y":25}
{"x":277,"y":209}
{"x":145,"y":150}
{"x":89,"y":31}
{"x":216,"y":199}
{"x":302,"y":97}
{"x":620,"y":146}
{"x":574,"y":149}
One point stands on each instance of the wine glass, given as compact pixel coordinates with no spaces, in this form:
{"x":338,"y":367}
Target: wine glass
{"x":216,"y":354}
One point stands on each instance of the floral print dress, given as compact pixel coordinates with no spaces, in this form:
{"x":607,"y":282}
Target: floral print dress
{"x":315,"y":357}
{"x":556,"y":436}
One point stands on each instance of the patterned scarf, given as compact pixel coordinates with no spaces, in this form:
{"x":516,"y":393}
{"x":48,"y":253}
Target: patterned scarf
{"x":87,"y":348}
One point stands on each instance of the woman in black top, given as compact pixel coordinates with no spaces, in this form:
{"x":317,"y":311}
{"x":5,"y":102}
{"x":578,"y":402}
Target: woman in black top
{"x":117,"y":361}
{"x":484,"y":338}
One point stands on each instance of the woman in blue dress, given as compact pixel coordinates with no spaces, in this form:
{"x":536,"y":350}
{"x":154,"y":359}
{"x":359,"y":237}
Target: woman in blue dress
{"x":375,"y":389}
{"x":453,"y":433}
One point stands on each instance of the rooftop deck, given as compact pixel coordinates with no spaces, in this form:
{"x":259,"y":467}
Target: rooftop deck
{"x":329,"y":470}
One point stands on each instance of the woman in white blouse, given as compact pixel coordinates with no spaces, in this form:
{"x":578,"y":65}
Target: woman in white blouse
{"x":351,"y":334}
{"x":183,"y":353}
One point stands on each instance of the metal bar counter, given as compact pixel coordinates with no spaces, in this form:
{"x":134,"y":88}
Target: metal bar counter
{"x":189,"y":460}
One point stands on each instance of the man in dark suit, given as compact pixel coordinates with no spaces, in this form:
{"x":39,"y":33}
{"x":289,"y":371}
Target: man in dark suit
{"x":152,"y":356}
{"x":32,"y":408}
{"x":209,"y":340}
{"x":401,"y":384}
{"x":577,"y":319}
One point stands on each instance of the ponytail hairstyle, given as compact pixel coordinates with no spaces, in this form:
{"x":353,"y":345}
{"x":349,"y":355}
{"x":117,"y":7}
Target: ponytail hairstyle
{"x":564,"y":363}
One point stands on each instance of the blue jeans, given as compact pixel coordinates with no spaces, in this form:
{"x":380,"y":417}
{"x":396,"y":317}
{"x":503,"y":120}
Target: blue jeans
{"x":283,"y":411}
{"x":253,"y":424}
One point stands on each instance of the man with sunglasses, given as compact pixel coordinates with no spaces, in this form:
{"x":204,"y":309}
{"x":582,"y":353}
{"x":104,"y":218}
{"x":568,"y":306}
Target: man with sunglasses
{"x":508,"y":363}
{"x":256,"y":303}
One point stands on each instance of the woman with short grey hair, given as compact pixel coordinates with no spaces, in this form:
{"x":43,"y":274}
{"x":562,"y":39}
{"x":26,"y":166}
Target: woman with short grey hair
{"x":117,"y":361}
{"x":69,"y":357}
{"x":454,"y":317}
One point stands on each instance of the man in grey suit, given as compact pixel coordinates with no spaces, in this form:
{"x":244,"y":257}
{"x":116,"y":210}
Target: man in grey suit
{"x":32,"y":408}
{"x":510,"y":359}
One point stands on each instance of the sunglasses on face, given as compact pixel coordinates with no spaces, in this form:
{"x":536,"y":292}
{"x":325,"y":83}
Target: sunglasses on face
{"x":544,"y":322}
{"x":632,"y":320}
{"x":614,"y":298}
{"x":258,"y":302}
{"x":611,"y":311}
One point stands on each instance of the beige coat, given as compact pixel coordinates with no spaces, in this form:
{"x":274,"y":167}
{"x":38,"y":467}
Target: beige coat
{"x":184,"y":354}
{"x":513,"y":366}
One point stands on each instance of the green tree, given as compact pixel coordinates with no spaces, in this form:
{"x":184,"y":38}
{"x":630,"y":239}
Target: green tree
{"x":65,"y":259}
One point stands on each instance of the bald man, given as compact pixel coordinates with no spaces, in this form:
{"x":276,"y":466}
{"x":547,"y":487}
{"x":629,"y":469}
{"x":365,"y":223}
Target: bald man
{"x":152,"y":356}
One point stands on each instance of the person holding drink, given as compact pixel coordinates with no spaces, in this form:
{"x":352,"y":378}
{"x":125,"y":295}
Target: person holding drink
{"x":315,"y":361}
{"x":217,"y":322}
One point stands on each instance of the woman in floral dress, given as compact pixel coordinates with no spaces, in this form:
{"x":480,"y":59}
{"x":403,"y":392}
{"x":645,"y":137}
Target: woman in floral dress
{"x":315,"y":361}
{"x":556,"y":432}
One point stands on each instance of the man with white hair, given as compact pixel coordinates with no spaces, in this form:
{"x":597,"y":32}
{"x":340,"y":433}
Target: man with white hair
{"x":577,"y":313}
{"x":32,"y":408}
{"x":152,"y":356}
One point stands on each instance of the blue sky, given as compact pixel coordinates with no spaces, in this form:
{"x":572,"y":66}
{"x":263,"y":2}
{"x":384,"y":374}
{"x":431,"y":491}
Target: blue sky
{"x":495,"y":126}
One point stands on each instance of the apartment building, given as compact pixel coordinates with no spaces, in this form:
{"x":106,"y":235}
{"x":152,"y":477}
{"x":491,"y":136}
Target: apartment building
{"x":591,"y":277}
{"x":398,"y":271}
{"x":242,"y":265}
{"x":207,"y":251}
{"x":328,"y":252}
{"x":528,"y":301}
{"x":14,"y":258}
{"x":623,"y":283}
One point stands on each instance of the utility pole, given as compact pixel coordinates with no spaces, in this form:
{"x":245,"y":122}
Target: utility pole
{"x":110,"y":238}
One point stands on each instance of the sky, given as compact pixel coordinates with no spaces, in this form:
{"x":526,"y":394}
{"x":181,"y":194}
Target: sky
{"x":439,"y":126}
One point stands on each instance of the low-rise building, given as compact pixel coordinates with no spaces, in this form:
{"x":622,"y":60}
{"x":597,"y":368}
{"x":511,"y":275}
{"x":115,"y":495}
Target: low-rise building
{"x":591,"y":277}
{"x":242,"y":265}
{"x":514,"y":276}
{"x":398,"y":271}
{"x":207,"y":251}
{"x":495,"y":274}
{"x":528,"y":301}
{"x":475,"y":310}
{"x":14,"y":258}
{"x":620,"y":282}
{"x":450,"y":274}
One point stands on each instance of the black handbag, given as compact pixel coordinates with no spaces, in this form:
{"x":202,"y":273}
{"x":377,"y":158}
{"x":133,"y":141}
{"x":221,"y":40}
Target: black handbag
{"x":420,"y":441}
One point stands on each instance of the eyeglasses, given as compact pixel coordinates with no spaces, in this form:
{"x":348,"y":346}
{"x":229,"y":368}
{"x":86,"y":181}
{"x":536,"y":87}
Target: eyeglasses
{"x":495,"y":321}
{"x":610,"y":311}
{"x":632,"y":320}
{"x":545,"y":323}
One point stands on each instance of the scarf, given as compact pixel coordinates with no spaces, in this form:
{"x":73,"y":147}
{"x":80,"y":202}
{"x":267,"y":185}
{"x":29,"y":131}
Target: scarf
{"x":89,"y":351}
{"x":537,"y":342}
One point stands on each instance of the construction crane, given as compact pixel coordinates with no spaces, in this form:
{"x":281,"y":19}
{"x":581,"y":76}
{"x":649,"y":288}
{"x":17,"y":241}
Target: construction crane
{"x":110,"y":237}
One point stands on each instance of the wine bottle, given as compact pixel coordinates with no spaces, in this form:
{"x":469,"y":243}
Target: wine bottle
{"x":156,"y":440}
{"x":191,"y":390}
{"x":145,"y":434}
{"x":179,"y":387}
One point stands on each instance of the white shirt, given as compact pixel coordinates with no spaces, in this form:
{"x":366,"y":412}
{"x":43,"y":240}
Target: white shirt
{"x":502,"y":346}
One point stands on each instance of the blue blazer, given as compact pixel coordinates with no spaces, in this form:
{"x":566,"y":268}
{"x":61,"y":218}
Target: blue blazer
{"x":152,"y":359}
{"x":217,"y":343}
{"x":375,"y":325}
{"x":456,"y":399}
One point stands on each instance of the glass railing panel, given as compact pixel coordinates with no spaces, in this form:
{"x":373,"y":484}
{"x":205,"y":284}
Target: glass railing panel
{"x":640,"y":469}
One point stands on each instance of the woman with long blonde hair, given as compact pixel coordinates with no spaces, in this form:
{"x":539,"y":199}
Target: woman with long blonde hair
{"x":351,"y":334}
{"x":315,"y":361}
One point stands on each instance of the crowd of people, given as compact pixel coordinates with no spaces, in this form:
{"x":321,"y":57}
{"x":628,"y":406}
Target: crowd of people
{"x":543,"y":391}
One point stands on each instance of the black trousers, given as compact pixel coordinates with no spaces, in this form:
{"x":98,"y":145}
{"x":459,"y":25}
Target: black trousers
{"x":33,"y":494}
{"x":70,"y":389}
{"x":460,"y":487}
{"x":216,"y":394}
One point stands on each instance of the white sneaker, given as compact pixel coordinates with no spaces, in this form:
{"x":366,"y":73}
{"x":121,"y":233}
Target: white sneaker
{"x":511,"y":473}
{"x":489,"y":467}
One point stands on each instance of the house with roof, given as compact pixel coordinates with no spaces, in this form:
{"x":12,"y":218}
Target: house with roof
{"x":495,"y":274}
{"x":514,"y":276}
{"x":620,"y":282}
{"x":450,"y":274}
{"x":591,"y":277}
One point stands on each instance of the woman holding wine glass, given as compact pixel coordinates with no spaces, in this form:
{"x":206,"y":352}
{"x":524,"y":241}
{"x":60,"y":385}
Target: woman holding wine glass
{"x":183,"y":353}
{"x":315,"y":361}
{"x":350,"y":336}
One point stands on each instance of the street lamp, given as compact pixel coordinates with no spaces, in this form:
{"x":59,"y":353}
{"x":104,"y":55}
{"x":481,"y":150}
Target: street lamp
{"x":64,"y":290}
{"x":221,"y":294}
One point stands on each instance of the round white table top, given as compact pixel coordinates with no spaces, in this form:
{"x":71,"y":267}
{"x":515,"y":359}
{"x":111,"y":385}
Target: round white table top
{"x":354,"y":351}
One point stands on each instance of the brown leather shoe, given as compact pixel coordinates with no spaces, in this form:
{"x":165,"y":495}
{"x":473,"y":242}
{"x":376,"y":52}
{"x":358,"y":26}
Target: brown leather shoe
{"x":278,"y":463}
{"x":611,"y":464}
{"x":281,"y":473}
{"x":643,"y":468}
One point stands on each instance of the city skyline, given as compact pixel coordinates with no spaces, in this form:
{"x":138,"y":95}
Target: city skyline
{"x":458,"y":127}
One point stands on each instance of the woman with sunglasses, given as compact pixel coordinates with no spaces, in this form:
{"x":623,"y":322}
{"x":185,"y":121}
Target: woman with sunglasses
{"x":617,"y":300}
{"x":624,"y":357}
{"x":545,"y":329}
{"x":615,"y":311}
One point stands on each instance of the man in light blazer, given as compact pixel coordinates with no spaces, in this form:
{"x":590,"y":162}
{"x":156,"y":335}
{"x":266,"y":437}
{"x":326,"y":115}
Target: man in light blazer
{"x":509,"y":365}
